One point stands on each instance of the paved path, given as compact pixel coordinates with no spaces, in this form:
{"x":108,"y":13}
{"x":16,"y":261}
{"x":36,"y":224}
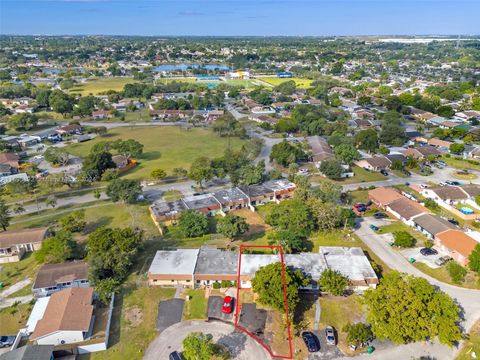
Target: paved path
{"x":468,"y":299}
{"x":6,"y":302}
{"x":240,"y":345}
{"x":318,"y":312}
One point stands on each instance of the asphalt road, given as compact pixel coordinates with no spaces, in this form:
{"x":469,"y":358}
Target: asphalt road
{"x":239,"y":344}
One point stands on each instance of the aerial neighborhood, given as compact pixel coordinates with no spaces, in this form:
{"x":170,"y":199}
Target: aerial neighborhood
{"x":239,"y":198}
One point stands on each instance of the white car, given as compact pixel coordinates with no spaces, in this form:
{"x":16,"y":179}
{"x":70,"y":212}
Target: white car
{"x":443,"y":184}
{"x":423,"y":186}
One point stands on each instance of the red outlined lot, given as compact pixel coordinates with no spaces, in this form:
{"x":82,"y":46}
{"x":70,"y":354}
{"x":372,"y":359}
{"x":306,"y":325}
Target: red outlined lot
{"x":238,"y":305}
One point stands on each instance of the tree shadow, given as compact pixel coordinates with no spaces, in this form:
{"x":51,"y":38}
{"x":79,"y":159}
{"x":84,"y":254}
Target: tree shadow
{"x":92,"y":226}
{"x":235,"y":343}
{"x":151,"y":155}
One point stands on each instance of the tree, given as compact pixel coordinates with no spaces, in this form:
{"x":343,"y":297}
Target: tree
{"x":403,"y":239}
{"x":56,"y":156}
{"x":232,"y":225}
{"x":158,"y":174}
{"x":97,"y":194}
{"x":23,"y":121}
{"x":129,"y":148}
{"x":431,"y":204}
{"x":74,"y":222}
{"x":474,"y":259}
{"x":60,"y":102}
{"x":457,"y":272}
{"x":328,"y":191}
{"x":333,"y":282}
{"x":193,"y":223}
{"x":292,"y":215}
{"x":95,"y":164}
{"x":331,"y":168}
{"x":51,"y":201}
{"x":124,"y":190}
{"x":201,"y":170}
{"x":358,"y":333}
{"x":227,"y":125}
{"x":445,"y":111}
{"x":347,"y":153}
{"x":406,"y":309}
{"x":56,"y":249}
{"x":197,"y":346}
{"x":110,"y":253}
{"x":180,"y":172}
{"x":268,"y":285}
{"x":367,"y":140}
{"x":285,"y":153}
{"x":290,"y":241}
{"x":4,"y":215}
{"x":456,"y":148}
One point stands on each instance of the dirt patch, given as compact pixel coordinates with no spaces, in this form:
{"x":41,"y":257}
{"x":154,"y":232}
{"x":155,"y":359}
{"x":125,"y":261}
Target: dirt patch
{"x":276,"y":333}
{"x":134,"y":316}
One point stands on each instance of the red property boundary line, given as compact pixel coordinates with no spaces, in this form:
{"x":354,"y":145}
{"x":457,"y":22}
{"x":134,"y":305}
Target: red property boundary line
{"x":237,"y":309}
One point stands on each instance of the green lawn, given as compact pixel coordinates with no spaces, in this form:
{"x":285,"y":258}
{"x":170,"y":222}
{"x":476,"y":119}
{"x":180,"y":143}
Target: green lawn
{"x":12,"y":273}
{"x":166,"y":147}
{"x":459,"y":163}
{"x":127,"y":340}
{"x":471,"y":345}
{"x":25,"y":291}
{"x":196,"y":307}
{"x":472,"y":281}
{"x":361,"y":175}
{"x":13,"y":318}
{"x":274,"y":81}
{"x":96,"y":86}
{"x":399,"y":226}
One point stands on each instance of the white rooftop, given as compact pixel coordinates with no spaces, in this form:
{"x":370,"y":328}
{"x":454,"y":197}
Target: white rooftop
{"x":176,"y":262}
{"x":37,"y":313}
{"x":350,"y":261}
{"x":250,"y":263}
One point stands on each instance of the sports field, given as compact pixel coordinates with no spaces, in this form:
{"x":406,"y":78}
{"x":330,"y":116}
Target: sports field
{"x":274,"y":81}
{"x":97,"y":86}
{"x":166,"y":147}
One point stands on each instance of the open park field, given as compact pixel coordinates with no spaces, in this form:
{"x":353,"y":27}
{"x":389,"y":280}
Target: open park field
{"x":97,"y":86}
{"x":166,"y":147}
{"x":274,"y":81}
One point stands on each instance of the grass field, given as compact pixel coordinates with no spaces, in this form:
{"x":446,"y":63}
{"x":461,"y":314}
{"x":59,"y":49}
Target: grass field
{"x":97,"y":86}
{"x":472,"y":344}
{"x":14,"y":272}
{"x":472,"y":281}
{"x":13,"y":318}
{"x":459,"y":163}
{"x":166,"y":147}
{"x":361,"y":175}
{"x":196,"y":307}
{"x":274,"y":81}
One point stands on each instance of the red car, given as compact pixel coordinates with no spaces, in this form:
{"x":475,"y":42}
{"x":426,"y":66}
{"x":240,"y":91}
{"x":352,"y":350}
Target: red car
{"x":227,"y":305}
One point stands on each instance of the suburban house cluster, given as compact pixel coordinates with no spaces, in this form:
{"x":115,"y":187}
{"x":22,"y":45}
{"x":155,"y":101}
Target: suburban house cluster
{"x":207,"y":265}
{"x":447,"y":237}
{"x":222,"y":201}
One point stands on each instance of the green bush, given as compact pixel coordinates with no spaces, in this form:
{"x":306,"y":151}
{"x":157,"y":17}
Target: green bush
{"x":216,"y":285}
{"x":226,"y":284}
{"x":403,"y":239}
{"x":456,"y":271}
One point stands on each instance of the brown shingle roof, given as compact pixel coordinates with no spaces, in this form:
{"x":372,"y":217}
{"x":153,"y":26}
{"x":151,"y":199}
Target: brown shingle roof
{"x":68,"y":310}
{"x":24,"y":236}
{"x":458,"y":241}
{"x":384,"y":196}
{"x":407,"y":208}
{"x":471,"y":189}
{"x":378,"y":161}
{"x":9,"y":158}
{"x":51,"y":274}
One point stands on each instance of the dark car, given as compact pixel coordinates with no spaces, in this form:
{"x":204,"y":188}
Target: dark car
{"x":309,"y":338}
{"x":453,"y":221}
{"x":428,"y":251}
{"x":330,"y":336}
{"x":374,"y":227}
{"x":384,"y":172}
{"x":175,"y":356}
{"x":407,"y":173}
{"x":380,"y":215}
{"x":6,"y":341}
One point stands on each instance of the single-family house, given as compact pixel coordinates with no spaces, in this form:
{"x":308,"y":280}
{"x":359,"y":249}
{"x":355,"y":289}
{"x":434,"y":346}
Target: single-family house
{"x":55,"y":277}
{"x":101,"y":114}
{"x":406,"y":210}
{"x":10,"y":159}
{"x":456,"y":244}
{"x":422,"y":152}
{"x":430,"y":225}
{"x":446,"y":196}
{"x":72,"y":129}
{"x":173,"y":267}
{"x":29,"y":352}
{"x":120,"y":161}
{"x":14,"y":243}
{"x":374,"y":163}
{"x":383,"y":196}
{"x":67,"y":318}
{"x":320,"y":149}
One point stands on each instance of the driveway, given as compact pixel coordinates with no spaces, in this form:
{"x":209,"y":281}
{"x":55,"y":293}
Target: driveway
{"x":215,"y":304}
{"x":468,"y":299}
{"x":240,"y":345}
{"x":169,"y":313}
{"x":327,"y":352}
{"x":428,"y":260}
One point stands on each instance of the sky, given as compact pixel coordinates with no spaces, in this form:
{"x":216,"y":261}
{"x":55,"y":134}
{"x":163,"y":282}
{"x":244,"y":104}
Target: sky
{"x":240,"y":17}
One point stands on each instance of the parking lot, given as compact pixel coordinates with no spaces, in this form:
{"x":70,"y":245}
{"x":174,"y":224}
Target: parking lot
{"x":214,"y":312}
{"x":428,"y":260}
{"x":169,"y":313}
{"x":326,"y":351}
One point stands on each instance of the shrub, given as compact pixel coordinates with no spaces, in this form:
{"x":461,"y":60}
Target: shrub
{"x":333,"y":282}
{"x":403,"y":239}
{"x":456,"y":271}
{"x":226,"y":284}
{"x":216,"y":285}
{"x":358,"y":333}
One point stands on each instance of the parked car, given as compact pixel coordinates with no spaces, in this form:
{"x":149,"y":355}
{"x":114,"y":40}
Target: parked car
{"x":453,"y":183}
{"x":374,"y":227}
{"x":443,"y":260}
{"x":407,"y":173}
{"x":428,"y":251}
{"x":380,"y":215}
{"x":454,"y":222}
{"x":175,"y":356}
{"x":330,"y":336}
{"x":227,"y":306}
{"x":384,"y":172}
{"x":309,"y":338}
{"x":423,"y":186}
{"x":441,"y":162}
{"x":6,"y":341}
{"x":360,"y":207}
{"x":442,"y":184}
